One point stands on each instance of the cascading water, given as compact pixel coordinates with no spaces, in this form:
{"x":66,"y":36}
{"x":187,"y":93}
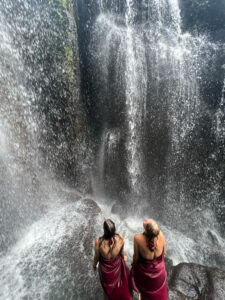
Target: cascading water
{"x":148,"y":78}
{"x":132,"y":51}
{"x":158,"y":147}
{"x":30,"y":113}
{"x":220,"y":128}
{"x":141,"y":53}
{"x":18,"y":158}
{"x":108,"y":146}
{"x":136,"y":90}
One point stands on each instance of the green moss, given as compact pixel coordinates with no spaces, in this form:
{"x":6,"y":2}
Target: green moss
{"x":64,"y":3}
{"x":69,"y":59}
{"x":60,"y":9}
{"x":59,"y":12}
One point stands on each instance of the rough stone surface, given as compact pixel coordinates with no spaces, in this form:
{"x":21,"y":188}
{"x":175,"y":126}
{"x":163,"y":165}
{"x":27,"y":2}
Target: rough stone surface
{"x":192,"y":281}
{"x":45,"y":36}
{"x":65,"y":264}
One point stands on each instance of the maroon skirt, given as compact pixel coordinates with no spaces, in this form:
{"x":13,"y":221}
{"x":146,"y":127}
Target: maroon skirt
{"x":114,"y":277}
{"x":148,"y":277}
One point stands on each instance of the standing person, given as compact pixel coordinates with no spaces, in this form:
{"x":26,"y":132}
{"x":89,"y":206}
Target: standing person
{"x":148,"y":274}
{"x":113,"y":272}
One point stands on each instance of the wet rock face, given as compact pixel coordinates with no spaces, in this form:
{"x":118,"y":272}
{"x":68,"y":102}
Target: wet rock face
{"x":77,"y":255}
{"x":42,"y":120}
{"x":192,"y":281}
{"x":45,"y":36}
{"x":54,"y":259}
{"x":205,"y":15}
{"x":191,"y":172}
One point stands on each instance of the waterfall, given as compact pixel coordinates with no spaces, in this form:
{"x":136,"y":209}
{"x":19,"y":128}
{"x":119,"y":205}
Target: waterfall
{"x":147,"y":66}
{"x":220,"y":128}
{"x":40,"y":111}
{"x":107,"y":160}
{"x":115,"y":91}
{"x":18,"y":157}
{"x":42,"y":129}
{"x":136,"y":90}
{"x":149,"y":83}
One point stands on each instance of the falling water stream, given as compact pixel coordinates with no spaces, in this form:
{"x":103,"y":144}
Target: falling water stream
{"x":145,"y":77}
{"x":136,"y":90}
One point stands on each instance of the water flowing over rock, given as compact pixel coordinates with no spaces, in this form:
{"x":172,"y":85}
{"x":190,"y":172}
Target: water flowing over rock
{"x":206,"y":16}
{"x":148,"y":80}
{"x":46,"y":41}
{"x":110,"y":109}
{"x":54,"y":258}
{"x":153,"y":91}
{"x":42,"y":123}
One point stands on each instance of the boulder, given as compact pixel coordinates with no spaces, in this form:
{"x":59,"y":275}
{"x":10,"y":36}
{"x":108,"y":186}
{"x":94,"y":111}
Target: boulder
{"x":197,"y":282}
{"x":54,"y":258}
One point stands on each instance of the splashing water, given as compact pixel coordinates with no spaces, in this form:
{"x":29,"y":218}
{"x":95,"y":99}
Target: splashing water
{"x":158,"y":66}
{"x":152,"y":69}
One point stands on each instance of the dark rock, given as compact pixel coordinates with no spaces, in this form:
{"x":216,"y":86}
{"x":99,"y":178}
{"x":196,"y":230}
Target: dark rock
{"x":192,"y":281}
{"x":213,"y":237}
{"x":64,"y":264}
{"x":169,"y":267}
{"x":69,"y":196}
{"x":92,"y":206}
{"x":204,"y":16}
{"x":45,"y":35}
{"x":119,"y":209}
{"x":217,"y":259}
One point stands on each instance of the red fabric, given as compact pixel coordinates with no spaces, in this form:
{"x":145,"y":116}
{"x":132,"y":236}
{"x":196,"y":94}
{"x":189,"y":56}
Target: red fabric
{"x":148,"y":277}
{"x":114,"y":276}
